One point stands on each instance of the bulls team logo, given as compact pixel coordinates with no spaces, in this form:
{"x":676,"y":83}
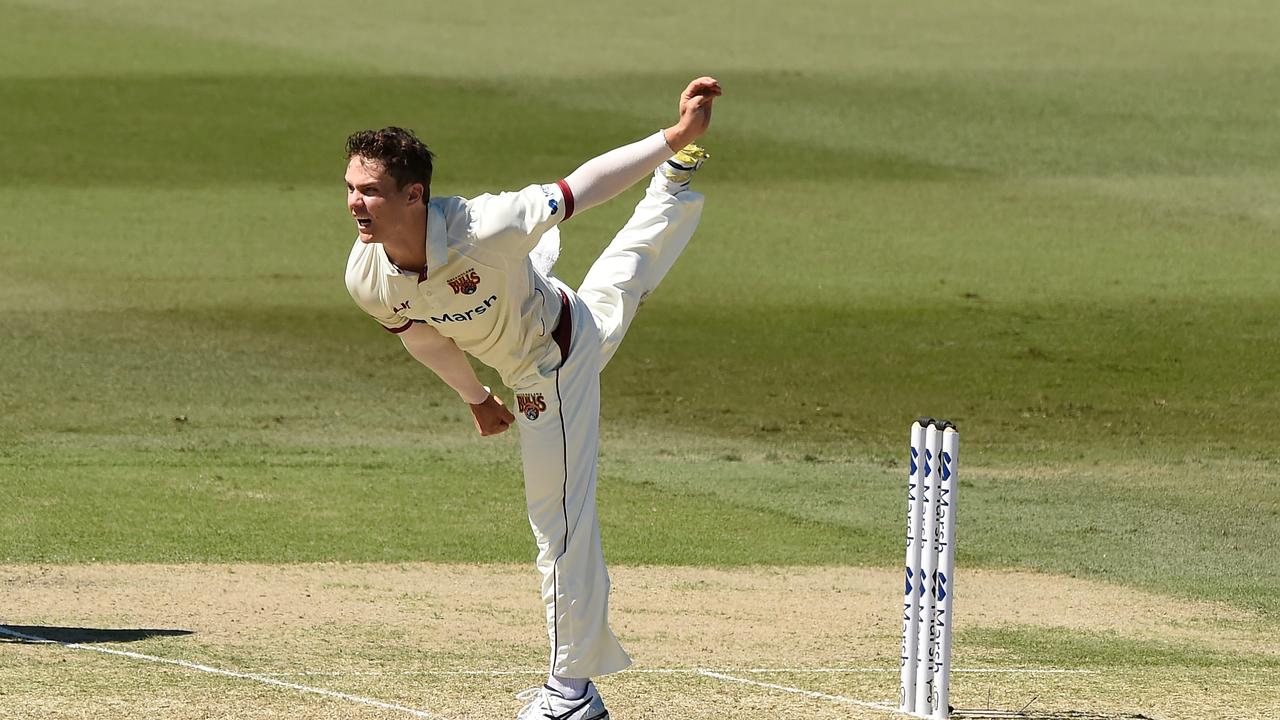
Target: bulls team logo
{"x":466,"y":283}
{"x":531,"y":404}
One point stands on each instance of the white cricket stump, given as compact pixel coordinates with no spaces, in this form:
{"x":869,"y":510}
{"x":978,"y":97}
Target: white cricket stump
{"x":930,"y":570}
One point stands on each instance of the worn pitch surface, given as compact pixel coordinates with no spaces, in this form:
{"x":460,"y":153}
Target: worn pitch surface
{"x":458,"y":641}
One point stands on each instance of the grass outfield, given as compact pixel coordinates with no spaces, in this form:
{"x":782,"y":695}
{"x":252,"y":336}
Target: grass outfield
{"x":1084,"y":200}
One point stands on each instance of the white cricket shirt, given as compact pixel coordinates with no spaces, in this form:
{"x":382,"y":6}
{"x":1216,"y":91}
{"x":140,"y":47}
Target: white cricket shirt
{"x":479,"y":288}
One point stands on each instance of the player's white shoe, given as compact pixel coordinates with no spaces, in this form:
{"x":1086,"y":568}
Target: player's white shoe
{"x":547,"y":704}
{"x":679,"y":170}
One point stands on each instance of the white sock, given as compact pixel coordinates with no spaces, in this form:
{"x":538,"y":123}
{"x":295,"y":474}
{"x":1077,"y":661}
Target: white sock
{"x":568,"y":688}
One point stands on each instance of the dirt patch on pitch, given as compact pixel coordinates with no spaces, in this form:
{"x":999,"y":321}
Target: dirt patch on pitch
{"x":403,"y":634}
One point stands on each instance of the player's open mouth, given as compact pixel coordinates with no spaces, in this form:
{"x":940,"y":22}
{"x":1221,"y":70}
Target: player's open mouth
{"x":363,"y":223}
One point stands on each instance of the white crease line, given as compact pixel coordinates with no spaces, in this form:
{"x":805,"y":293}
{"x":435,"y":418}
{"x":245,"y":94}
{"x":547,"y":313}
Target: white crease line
{"x":669,"y":671}
{"x":227,"y":673}
{"x":885,"y":707}
{"x":1010,"y":671}
{"x":1027,"y":671}
{"x":441,"y":673}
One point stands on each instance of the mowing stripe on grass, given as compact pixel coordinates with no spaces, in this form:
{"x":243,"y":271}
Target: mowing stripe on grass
{"x":228,"y":673}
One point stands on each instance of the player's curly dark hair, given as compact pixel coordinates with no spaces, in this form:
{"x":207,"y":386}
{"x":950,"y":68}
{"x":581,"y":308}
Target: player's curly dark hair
{"x":401,"y":153}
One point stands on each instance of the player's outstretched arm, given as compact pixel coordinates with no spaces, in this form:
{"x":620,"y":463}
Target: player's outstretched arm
{"x":446,"y":360}
{"x":604,"y":177}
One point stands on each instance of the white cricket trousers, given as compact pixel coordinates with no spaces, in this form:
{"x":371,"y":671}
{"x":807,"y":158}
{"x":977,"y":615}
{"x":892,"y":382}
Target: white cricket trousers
{"x":560,"y":432}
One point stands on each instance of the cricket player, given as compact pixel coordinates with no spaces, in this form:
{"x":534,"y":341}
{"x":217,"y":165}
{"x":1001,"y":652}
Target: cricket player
{"x":450,"y":276}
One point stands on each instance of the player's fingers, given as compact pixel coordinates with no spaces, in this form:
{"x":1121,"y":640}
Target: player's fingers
{"x":697,"y":102}
{"x":701,"y":86}
{"x":704,"y":86}
{"x":698,"y":109}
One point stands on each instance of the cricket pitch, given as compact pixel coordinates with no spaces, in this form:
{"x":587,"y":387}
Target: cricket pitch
{"x":457,"y":642}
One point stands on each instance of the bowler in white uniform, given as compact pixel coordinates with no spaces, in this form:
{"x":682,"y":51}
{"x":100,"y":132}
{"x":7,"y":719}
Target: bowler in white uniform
{"x":450,"y":275}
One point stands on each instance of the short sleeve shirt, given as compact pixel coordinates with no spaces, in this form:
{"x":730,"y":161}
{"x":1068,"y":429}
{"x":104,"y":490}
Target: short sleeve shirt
{"x":479,"y":288}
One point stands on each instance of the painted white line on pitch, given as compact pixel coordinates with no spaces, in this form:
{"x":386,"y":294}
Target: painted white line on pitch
{"x":228,"y":673}
{"x":851,"y":670}
{"x":420,"y":673}
{"x":885,"y":707}
{"x":668,"y":671}
{"x":1026,"y":671}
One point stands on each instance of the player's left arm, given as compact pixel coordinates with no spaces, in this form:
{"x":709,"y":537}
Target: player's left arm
{"x":514,"y":221}
{"x":604,"y":177}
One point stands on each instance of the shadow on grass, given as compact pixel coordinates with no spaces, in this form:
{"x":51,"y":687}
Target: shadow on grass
{"x":69,"y":635}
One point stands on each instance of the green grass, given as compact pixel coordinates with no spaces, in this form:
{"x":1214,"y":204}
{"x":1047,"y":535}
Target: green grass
{"x":457,"y":505}
{"x":1075,"y":648}
{"x":999,"y":213}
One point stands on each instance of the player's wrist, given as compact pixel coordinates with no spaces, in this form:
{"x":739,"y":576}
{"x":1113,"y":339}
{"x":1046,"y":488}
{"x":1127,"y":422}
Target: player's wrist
{"x":488,"y":393}
{"x":675,"y":137}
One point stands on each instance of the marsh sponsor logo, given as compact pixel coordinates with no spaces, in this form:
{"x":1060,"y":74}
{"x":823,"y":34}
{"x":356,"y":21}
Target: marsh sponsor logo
{"x":531,"y":404}
{"x":468,"y":315}
{"x":466,"y":283}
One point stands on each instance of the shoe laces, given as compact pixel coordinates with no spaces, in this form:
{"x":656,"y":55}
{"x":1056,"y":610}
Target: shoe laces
{"x":532,"y":696}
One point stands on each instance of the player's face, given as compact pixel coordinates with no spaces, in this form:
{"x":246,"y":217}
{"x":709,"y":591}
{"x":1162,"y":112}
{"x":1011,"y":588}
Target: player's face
{"x":379,"y":207}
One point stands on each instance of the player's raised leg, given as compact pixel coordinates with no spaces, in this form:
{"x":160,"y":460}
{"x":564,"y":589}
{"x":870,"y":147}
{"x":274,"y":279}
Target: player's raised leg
{"x":644,"y":250}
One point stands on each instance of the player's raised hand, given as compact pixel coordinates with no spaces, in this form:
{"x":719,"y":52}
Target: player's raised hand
{"x":695,"y":112}
{"x":491,"y":416}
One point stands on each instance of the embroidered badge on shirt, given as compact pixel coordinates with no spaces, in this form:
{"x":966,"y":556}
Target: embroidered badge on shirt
{"x":552,"y":203}
{"x":466,"y":283}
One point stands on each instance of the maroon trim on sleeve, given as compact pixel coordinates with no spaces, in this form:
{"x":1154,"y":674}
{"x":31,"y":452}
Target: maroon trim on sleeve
{"x":400,"y":329}
{"x":568,"y":199}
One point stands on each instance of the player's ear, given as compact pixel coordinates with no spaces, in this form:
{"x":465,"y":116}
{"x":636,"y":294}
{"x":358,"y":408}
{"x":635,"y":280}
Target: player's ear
{"x":417,"y":193}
